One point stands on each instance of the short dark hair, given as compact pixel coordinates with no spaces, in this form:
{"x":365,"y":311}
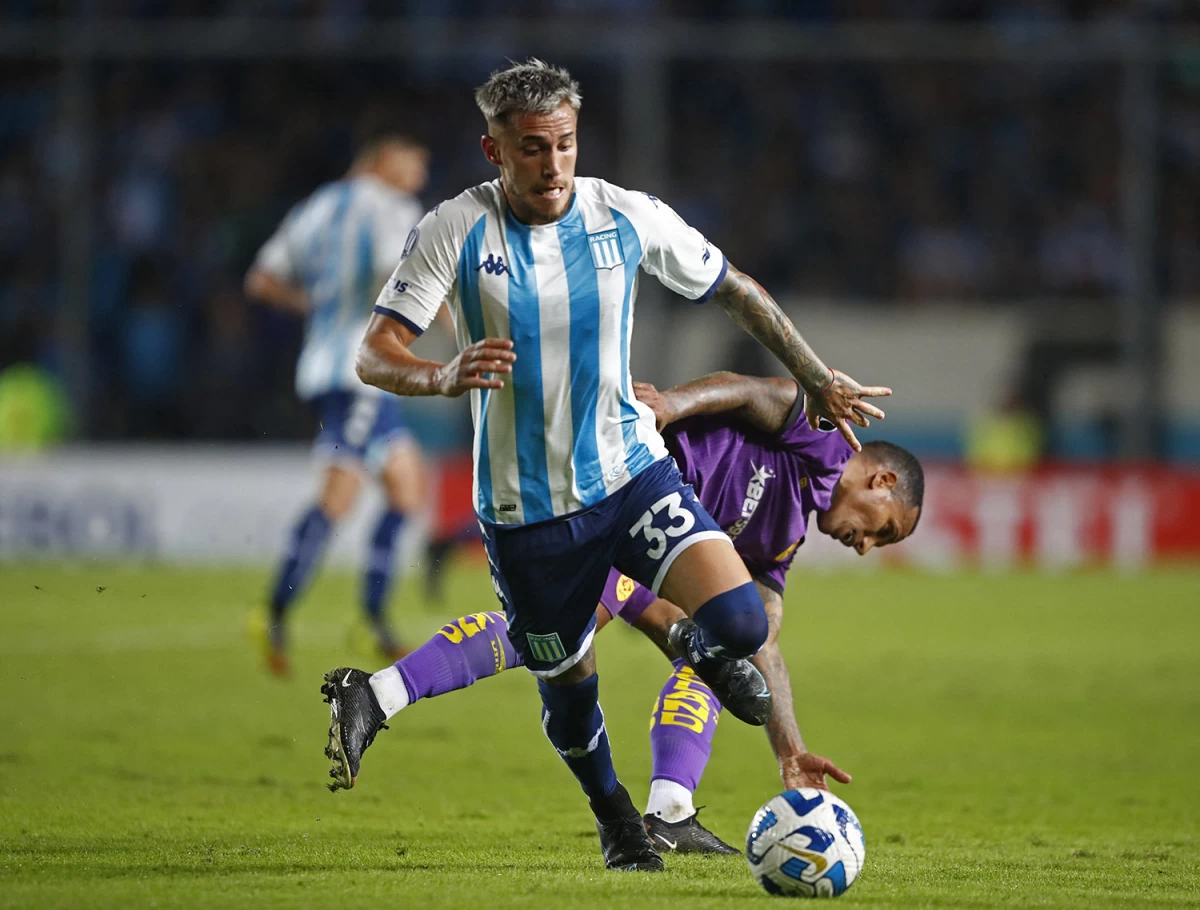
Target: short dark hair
{"x":910,"y":476}
{"x":375,"y":131}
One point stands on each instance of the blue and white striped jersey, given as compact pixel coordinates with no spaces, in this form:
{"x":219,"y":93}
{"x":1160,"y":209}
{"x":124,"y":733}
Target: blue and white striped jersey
{"x":339,"y":244}
{"x":566,"y":430}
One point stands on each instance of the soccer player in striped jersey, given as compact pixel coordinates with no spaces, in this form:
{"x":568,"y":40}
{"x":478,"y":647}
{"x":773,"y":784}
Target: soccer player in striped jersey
{"x":326,"y":262}
{"x":761,"y":471}
{"x":540,"y":271}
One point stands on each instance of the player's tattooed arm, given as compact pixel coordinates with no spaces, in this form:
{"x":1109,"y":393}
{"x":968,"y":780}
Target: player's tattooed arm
{"x":797,"y":766}
{"x":831,"y":394}
{"x":384,"y":360}
{"x":763,"y":403}
{"x":751,"y":307}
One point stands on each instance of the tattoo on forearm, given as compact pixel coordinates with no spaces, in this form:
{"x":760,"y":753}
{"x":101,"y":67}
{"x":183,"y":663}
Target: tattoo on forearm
{"x":763,"y":403}
{"x":783,"y":731}
{"x":751,"y":307}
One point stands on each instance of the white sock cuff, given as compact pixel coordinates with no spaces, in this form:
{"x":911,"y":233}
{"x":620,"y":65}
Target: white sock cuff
{"x":390,"y":691}
{"x":670,"y":801}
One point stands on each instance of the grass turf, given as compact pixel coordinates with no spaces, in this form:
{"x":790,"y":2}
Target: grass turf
{"x":1016,"y":741}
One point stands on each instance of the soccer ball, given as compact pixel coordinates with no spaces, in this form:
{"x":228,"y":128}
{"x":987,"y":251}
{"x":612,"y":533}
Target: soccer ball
{"x":805,"y":843}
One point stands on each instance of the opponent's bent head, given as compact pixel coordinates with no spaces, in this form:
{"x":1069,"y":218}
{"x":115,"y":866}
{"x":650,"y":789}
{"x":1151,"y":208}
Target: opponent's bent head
{"x":878,"y":499}
{"x":532,"y":111}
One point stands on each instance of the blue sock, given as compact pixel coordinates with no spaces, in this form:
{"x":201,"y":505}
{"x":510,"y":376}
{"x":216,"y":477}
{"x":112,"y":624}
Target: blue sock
{"x":378,"y":579}
{"x":303,"y":552}
{"x":574,"y":724}
{"x":732,"y":625}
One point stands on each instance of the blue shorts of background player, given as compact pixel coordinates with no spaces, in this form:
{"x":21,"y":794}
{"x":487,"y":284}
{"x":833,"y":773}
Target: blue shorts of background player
{"x":359,"y":432}
{"x":358,"y":428}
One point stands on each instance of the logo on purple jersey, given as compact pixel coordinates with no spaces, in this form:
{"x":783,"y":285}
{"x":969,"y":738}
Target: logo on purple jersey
{"x":754,"y":494}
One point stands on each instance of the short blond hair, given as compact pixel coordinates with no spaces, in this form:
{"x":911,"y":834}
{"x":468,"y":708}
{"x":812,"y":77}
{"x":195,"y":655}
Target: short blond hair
{"x":532,"y":87}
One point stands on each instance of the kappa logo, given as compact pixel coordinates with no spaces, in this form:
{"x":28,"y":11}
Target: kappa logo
{"x":494,"y":265}
{"x":754,"y":494}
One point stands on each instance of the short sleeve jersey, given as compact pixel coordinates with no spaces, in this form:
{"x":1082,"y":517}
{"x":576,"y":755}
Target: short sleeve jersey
{"x":760,"y":487}
{"x":338,"y":245}
{"x":566,"y":430}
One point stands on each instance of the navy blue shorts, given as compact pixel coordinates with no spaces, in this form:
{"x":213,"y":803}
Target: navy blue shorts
{"x":549,"y":576}
{"x":358,"y":427}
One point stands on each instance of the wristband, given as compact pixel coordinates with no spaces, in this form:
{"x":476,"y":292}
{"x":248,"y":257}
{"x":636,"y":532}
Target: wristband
{"x":832,"y":380}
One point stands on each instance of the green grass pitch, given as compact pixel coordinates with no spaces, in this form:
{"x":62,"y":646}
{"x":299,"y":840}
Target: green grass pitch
{"x":1016,"y":741}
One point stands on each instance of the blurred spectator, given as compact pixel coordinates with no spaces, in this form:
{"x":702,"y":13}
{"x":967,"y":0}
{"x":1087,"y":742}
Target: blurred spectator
{"x":1007,"y":439}
{"x":152,"y":349}
{"x":34,"y":411}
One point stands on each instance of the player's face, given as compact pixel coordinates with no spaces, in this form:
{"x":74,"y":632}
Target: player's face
{"x":864,"y":514}
{"x":536,"y":157}
{"x":405,"y":167}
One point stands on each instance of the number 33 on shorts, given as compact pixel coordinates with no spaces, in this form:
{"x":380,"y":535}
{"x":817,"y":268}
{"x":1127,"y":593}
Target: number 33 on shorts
{"x":657,"y":528}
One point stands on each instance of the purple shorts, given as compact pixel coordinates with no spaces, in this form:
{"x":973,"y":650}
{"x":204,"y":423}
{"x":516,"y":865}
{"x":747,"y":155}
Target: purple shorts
{"x":624,"y":597}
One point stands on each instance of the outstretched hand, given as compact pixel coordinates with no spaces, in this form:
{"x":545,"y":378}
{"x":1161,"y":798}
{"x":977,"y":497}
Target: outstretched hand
{"x":475,"y":367}
{"x":808,"y":770}
{"x":841,"y":403}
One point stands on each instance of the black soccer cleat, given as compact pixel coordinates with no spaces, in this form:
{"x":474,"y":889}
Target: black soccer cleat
{"x":687,"y":836}
{"x":354,"y":719}
{"x":623,"y":838}
{"x":626,"y":845}
{"x":736,"y":683}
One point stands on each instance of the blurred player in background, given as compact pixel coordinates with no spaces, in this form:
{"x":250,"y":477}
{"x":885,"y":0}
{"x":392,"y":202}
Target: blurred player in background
{"x":326,"y":262}
{"x":540,"y":270}
{"x":761,"y":471}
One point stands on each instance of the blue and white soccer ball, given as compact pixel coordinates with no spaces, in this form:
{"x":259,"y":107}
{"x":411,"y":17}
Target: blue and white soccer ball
{"x":805,"y":843}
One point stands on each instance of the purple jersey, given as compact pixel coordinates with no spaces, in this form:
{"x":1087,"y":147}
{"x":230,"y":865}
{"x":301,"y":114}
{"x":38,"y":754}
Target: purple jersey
{"x":761,"y":487}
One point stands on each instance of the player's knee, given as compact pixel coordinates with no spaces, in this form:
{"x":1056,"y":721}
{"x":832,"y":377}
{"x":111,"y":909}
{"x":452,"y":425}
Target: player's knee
{"x":339,"y":490}
{"x":734,"y":622}
{"x":403,"y":477}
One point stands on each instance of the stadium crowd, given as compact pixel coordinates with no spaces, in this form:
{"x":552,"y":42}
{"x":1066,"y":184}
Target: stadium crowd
{"x":879,"y":182}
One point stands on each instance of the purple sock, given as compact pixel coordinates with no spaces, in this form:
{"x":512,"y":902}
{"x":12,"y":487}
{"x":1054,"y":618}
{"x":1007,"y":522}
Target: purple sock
{"x":682,"y":727}
{"x":473,"y":647}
